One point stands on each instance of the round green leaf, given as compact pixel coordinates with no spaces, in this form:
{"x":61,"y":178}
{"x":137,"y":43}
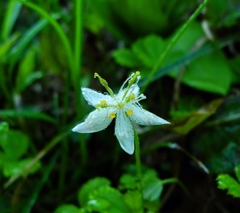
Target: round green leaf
{"x":87,"y":188}
{"x":15,"y":144}
{"x":67,"y":208}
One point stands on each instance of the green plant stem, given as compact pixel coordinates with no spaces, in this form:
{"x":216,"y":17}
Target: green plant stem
{"x":170,"y":45}
{"x":175,"y":180}
{"x":76,"y":75}
{"x":138,"y":163}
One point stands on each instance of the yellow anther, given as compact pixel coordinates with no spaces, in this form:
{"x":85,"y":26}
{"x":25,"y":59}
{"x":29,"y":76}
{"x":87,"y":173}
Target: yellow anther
{"x":129,"y":112}
{"x":132,"y":96}
{"x":103,"y":103}
{"x":112,"y":115}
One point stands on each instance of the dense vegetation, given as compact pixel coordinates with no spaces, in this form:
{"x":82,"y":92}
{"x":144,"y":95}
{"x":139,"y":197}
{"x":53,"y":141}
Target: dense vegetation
{"x":187,"y":53}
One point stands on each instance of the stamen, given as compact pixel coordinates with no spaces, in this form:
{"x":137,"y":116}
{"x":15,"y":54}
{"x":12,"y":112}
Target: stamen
{"x":129,"y":112}
{"x":141,"y":97}
{"x":131,"y":76}
{"x":104,"y":83}
{"x":103,"y":103}
{"x":134,"y":77}
{"x":133,"y":96}
{"x":112,"y":115}
{"x":130,"y":97}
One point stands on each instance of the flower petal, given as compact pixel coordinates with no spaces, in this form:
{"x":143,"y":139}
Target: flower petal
{"x":96,"y":121}
{"x":93,"y":98}
{"x":124,"y":132}
{"x":144,"y":117}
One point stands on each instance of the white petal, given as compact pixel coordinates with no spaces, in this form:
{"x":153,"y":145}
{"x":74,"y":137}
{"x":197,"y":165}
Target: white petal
{"x":93,"y":98}
{"x":124,"y":132}
{"x":144,"y":117}
{"x":96,"y":121}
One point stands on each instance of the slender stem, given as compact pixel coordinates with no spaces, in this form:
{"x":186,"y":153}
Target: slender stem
{"x":138,"y":163}
{"x":172,"y":43}
{"x":76,"y":75}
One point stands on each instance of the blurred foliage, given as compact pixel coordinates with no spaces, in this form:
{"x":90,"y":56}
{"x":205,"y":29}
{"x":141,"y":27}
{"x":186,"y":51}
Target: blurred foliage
{"x":225,"y":181}
{"x":14,"y":145}
{"x":49,"y":49}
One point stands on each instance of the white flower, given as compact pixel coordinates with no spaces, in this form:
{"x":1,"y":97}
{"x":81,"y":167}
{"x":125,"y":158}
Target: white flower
{"x":124,"y":107}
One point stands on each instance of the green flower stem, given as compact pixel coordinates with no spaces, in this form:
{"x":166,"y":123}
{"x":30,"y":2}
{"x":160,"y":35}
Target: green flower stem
{"x":170,"y":45}
{"x":138,"y":164}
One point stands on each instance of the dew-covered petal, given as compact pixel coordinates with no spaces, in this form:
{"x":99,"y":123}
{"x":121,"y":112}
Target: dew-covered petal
{"x":124,"y":132}
{"x":93,"y":98}
{"x":143,"y":117}
{"x":96,"y":121}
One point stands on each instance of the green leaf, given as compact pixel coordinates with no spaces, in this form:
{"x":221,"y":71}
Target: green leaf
{"x":153,"y":19}
{"x":216,"y":9}
{"x":205,"y":75}
{"x":152,"y":188}
{"x":234,"y":64}
{"x":87,"y":188}
{"x":186,"y":124}
{"x":189,"y":38}
{"x":10,"y":17}
{"x":126,"y":57}
{"x":152,"y":185}
{"x":148,"y":49}
{"x":93,"y":22}
{"x":237,"y":171}
{"x":27,"y":114}
{"x":26,"y":38}
{"x":3,"y":128}
{"x":107,"y":199}
{"x":25,"y":74}
{"x":226,"y":160}
{"x":7,"y":45}
{"x":134,"y":200}
{"x":127,"y":181}
{"x":67,"y":208}
{"x":11,"y":168}
{"x":227,"y":182}
{"x":14,"y":144}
